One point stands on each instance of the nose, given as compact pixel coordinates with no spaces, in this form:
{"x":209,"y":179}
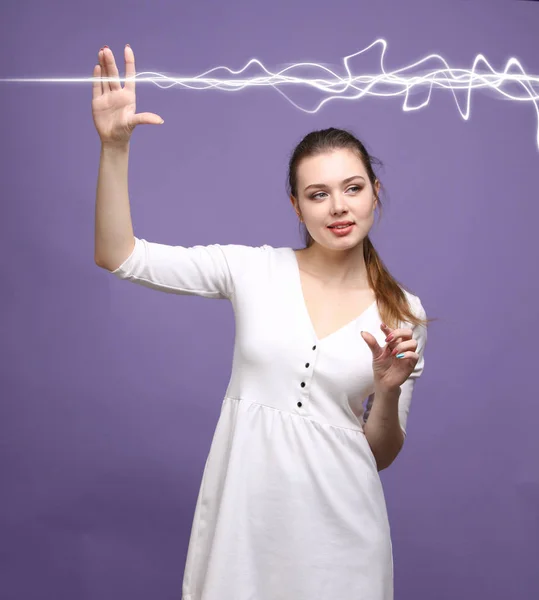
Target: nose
{"x":338,"y":204}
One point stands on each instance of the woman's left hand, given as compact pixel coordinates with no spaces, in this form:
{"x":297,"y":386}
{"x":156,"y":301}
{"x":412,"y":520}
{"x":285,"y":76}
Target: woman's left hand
{"x":391,"y":372}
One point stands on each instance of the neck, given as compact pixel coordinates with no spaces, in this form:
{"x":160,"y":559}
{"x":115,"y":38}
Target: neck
{"x":337,"y":268}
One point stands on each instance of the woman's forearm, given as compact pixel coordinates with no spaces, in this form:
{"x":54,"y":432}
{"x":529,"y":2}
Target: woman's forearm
{"x":114,"y":237}
{"x":382,"y":429}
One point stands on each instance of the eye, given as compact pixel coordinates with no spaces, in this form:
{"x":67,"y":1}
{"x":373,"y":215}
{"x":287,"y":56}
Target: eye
{"x":357,"y":188}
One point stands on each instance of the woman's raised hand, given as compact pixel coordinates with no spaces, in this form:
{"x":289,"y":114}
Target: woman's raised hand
{"x":113,"y":107}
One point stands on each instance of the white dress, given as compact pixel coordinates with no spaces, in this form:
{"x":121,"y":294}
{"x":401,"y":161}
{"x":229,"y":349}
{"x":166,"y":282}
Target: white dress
{"x":291,"y":506}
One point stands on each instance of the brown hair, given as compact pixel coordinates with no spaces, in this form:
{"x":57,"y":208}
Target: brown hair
{"x":392,"y":302}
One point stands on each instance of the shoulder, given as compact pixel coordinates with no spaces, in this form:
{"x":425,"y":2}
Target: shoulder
{"x":416,"y":306}
{"x":242,"y":257}
{"x":246,"y":252}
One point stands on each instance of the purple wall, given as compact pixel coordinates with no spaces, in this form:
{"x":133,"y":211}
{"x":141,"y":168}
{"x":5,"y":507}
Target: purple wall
{"x":110,"y":392}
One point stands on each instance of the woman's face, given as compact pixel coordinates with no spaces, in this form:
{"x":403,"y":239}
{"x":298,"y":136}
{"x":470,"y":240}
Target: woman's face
{"x":334,"y":186}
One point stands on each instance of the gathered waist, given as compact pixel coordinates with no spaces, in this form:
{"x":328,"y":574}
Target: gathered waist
{"x":310,"y":418}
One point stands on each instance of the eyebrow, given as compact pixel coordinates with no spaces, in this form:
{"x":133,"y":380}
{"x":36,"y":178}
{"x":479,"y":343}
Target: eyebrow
{"x":323,"y":185}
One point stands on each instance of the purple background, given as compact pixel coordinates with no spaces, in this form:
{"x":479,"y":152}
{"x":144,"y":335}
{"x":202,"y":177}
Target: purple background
{"x":111,"y":392}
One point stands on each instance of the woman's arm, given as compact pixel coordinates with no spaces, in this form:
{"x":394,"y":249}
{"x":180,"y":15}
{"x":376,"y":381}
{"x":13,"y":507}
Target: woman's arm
{"x":114,"y":237}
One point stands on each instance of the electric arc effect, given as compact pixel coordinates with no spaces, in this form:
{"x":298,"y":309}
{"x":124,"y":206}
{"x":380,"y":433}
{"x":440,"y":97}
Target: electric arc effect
{"x":399,"y":82}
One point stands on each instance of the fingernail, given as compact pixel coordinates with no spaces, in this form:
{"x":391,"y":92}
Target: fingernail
{"x":401,"y":355}
{"x":128,"y":46}
{"x":389,"y":337}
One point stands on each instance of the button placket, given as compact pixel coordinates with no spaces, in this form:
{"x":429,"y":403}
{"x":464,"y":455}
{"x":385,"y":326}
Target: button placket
{"x":303,"y":384}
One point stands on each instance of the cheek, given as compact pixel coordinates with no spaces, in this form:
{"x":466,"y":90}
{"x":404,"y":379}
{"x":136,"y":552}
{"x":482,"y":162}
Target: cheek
{"x":315,"y":213}
{"x":365,"y":211}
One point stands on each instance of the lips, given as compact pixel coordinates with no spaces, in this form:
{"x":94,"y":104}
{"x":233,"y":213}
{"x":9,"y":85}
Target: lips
{"x":343,"y":223}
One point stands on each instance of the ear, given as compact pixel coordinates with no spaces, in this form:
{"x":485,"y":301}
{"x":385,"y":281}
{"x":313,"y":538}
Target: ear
{"x":295,"y":205}
{"x":377,"y":191}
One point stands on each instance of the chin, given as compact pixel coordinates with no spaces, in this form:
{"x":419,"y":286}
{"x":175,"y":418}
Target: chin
{"x":346,"y":243}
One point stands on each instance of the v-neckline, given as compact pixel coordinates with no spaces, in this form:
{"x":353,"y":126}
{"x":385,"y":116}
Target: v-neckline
{"x":306,"y":311}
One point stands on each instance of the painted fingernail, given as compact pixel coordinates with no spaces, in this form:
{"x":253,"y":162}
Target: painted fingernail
{"x":401,"y":355}
{"x":389,"y":337}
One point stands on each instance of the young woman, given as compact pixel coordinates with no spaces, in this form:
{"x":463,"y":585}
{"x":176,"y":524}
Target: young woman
{"x":291,"y":506}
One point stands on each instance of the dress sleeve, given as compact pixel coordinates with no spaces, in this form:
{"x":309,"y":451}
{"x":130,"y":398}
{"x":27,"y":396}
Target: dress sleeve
{"x":207,"y":271}
{"x":419,"y":334}
{"x":405,"y":398}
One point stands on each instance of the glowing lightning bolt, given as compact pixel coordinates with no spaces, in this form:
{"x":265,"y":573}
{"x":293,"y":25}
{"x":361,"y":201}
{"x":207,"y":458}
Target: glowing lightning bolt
{"x":353,"y":87}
